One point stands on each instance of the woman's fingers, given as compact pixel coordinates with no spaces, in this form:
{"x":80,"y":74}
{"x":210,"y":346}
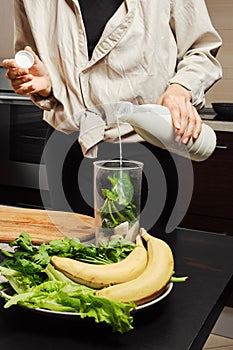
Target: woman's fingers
{"x":18,"y":76}
{"x":188,"y":121}
{"x":16,"y":73}
{"x":21,"y":80}
{"x":185,"y":117}
{"x":29,"y":81}
{"x":9,"y":63}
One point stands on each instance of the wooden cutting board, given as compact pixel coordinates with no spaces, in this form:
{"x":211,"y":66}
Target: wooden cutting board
{"x":43,"y":225}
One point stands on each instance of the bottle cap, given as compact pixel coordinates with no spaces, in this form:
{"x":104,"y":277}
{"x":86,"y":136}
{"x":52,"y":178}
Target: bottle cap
{"x":24,"y":59}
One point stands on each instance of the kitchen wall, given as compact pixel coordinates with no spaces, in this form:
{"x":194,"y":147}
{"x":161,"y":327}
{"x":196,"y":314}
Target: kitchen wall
{"x":221,"y":13}
{"x":6,"y":29}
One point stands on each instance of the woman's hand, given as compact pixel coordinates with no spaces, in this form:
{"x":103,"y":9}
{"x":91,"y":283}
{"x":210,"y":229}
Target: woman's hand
{"x":186,"y":120}
{"x":35,"y":80}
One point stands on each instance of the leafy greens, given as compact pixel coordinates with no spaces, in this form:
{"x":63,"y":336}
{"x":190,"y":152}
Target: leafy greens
{"x":37,"y":284}
{"x":118,"y":206}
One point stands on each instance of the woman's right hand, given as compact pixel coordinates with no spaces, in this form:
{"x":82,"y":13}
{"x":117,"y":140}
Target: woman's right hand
{"x":35,"y":80}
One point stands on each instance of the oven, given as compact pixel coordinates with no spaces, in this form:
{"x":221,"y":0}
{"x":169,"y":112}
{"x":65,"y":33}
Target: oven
{"x":22,"y":140}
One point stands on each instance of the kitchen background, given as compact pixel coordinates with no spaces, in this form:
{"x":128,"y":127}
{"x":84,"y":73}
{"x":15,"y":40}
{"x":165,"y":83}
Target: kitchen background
{"x":211,"y":208}
{"x":221,"y":12}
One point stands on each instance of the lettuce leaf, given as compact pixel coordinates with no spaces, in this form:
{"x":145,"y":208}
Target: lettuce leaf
{"x":61,"y":294}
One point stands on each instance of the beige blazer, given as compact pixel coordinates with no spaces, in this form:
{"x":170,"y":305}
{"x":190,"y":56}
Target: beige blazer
{"x":145,"y":46}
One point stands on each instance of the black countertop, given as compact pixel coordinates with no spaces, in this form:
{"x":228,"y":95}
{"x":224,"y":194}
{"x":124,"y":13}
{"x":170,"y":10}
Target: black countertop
{"x":181,"y":321}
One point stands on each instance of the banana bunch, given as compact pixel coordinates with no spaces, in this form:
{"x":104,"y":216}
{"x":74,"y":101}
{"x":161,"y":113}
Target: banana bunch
{"x":99,"y":276}
{"x":152,"y":281}
{"x":140,"y":277}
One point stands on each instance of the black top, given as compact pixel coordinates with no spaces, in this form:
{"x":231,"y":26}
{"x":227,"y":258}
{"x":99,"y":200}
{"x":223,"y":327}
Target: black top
{"x":182,"y":321}
{"x":95,"y":16}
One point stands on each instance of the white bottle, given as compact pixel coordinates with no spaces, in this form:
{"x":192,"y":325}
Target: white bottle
{"x":154,"y":124}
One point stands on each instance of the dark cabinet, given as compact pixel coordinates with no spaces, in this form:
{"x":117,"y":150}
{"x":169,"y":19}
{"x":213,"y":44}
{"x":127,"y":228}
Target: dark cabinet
{"x":211,"y":207}
{"x":22,"y":140}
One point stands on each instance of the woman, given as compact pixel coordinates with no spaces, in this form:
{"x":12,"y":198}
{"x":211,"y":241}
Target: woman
{"x":89,"y":54}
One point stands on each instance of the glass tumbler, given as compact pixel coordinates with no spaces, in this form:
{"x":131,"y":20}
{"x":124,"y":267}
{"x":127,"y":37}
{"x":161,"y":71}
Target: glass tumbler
{"x":117,"y":199}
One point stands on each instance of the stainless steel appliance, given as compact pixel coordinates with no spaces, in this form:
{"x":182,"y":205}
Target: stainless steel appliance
{"x":22,"y":138}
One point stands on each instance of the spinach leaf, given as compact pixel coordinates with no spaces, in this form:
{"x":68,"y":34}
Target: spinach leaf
{"x":118,"y":206}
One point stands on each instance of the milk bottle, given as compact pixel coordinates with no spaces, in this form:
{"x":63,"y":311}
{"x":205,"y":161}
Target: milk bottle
{"x":154,"y":124}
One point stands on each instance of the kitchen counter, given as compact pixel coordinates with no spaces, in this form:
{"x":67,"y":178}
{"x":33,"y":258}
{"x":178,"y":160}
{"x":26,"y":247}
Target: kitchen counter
{"x":210,"y":118}
{"x":219,"y":125}
{"x":181,"y":321}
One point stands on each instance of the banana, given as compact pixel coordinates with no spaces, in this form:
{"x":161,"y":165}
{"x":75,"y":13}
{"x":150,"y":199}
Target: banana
{"x":153,"y":279}
{"x":99,"y":276}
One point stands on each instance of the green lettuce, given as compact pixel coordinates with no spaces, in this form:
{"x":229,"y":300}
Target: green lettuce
{"x":59,"y":293}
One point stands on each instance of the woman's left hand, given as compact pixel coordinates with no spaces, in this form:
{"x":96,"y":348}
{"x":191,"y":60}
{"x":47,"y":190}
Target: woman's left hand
{"x":185,"y":117}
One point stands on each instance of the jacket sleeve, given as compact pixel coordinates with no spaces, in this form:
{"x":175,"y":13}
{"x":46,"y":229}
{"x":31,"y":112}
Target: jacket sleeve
{"x":197,"y":45}
{"x":22,"y":34}
{"x":23,"y":37}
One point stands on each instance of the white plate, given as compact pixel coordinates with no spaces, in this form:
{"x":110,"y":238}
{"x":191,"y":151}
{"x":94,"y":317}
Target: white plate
{"x":156,"y":300}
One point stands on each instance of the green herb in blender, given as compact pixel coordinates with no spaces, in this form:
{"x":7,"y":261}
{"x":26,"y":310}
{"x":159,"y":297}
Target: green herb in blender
{"x":118,"y":206}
